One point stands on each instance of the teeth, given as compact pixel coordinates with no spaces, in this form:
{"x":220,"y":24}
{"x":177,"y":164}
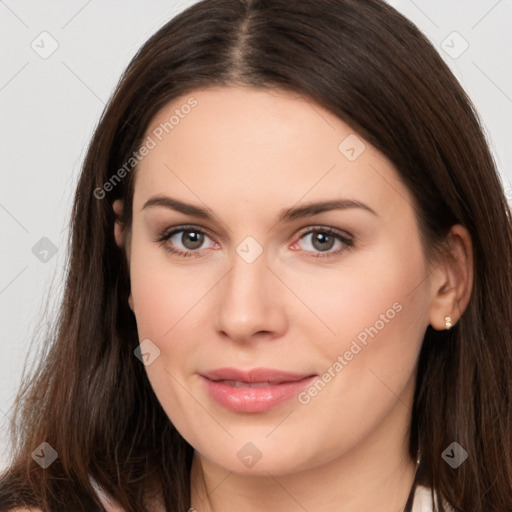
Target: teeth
{"x":240,"y":384}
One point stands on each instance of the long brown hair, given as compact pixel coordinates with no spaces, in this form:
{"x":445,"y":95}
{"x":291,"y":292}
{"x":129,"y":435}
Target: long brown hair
{"x":90,"y":398}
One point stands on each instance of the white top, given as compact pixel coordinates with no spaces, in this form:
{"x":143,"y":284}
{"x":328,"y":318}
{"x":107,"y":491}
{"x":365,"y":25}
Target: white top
{"x":422,"y":499}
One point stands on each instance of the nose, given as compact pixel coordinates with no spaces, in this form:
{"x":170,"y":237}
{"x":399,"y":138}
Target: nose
{"x":250,"y":301}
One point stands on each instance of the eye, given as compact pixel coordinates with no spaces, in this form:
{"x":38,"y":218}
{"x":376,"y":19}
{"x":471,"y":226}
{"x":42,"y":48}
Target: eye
{"x":191,"y":238}
{"x":323,"y":239}
{"x":186,"y":241}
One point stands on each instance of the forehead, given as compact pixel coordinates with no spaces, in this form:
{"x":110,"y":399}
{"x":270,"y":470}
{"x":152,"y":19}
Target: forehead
{"x":236,"y":123}
{"x":235,"y":144}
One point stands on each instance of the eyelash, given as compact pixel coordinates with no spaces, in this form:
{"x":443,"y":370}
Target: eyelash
{"x":165,"y":235}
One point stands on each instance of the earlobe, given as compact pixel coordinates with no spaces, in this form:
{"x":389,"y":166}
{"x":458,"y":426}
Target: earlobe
{"x":452,"y":290}
{"x":445,"y":311}
{"x":117,"y":206}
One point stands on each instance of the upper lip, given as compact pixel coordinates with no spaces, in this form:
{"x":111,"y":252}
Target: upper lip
{"x":254,"y":375}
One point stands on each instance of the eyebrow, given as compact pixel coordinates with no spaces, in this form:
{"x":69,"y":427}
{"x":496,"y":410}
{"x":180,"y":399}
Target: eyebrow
{"x":287,"y":215}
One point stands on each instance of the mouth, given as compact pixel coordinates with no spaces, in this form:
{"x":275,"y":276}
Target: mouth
{"x":253,"y":391}
{"x":253,"y":376}
{"x":240,"y":384}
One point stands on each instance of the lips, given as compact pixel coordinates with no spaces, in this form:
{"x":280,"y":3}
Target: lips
{"x":254,"y":390}
{"x":256,"y":375}
{"x":241,"y":384}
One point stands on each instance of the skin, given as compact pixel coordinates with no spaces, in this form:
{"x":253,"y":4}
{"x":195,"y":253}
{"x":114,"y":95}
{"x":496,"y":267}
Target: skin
{"x":246,"y":154}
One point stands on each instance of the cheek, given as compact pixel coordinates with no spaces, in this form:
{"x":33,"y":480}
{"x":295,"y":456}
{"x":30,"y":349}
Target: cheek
{"x":164,"y":292}
{"x":171,"y":308}
{"x":367,"y":379}
{"x":375,"y":295}
{"x":374,"y":316}
{"x":167,"y":301}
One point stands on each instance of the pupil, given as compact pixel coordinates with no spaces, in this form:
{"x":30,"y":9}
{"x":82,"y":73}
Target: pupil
{"x":192,"y":239}
{"x":323,"y":238}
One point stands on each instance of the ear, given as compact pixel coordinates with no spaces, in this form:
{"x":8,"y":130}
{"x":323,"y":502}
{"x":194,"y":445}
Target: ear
{"x":117,"y":206}
{"x":453,"y":280}
{"x":120,"y":236}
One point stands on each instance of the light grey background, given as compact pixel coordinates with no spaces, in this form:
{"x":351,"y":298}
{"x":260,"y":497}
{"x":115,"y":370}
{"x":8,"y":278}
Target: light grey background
{"x":49,"y":105}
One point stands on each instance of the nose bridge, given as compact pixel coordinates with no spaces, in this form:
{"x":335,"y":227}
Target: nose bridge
{"x":249,"y":301}
{"x":248,"y":279}
{"x":250,"y":266}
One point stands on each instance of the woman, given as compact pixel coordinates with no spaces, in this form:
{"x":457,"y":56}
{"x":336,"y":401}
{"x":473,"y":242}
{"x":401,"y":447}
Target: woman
{"x":289,"y":284}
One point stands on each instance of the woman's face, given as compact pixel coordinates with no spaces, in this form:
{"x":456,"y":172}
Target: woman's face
{"x":265,"y":280}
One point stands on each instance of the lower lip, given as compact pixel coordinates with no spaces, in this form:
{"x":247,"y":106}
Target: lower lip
{"x":247,"y":399}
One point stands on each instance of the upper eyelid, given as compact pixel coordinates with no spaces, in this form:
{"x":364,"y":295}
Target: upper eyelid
{"x":188,"y":227}
{"x":340,"y":232}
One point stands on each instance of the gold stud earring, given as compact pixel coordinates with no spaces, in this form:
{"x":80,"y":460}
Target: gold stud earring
{"x":448,"y":321}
